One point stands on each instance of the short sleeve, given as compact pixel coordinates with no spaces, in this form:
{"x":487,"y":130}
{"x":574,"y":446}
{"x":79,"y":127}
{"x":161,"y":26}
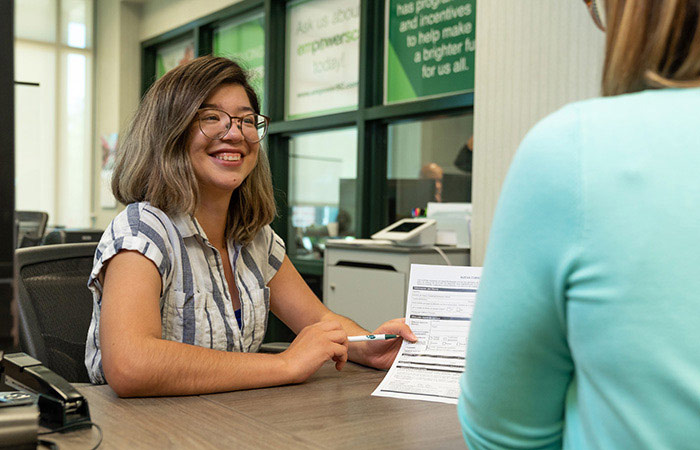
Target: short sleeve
{"x":275,"y":253}
{"x":137,"y":228}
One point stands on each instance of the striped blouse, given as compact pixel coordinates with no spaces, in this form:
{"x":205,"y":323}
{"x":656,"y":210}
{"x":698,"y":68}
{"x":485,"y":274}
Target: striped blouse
{"x":195,"y":303}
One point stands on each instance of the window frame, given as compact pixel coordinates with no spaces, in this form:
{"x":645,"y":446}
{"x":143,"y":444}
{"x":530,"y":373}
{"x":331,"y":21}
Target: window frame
{"x":371,"y":118}
{"x":62,"y":148}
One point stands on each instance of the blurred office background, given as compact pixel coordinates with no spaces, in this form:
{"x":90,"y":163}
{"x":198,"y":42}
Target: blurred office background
{"x":345,"y":166}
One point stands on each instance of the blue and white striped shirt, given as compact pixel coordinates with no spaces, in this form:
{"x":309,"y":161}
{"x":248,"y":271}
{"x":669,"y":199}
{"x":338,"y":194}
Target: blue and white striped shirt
{"x":195,"y":303}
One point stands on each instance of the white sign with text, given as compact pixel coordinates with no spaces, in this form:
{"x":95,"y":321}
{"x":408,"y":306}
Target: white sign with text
{"x":323,"y":44}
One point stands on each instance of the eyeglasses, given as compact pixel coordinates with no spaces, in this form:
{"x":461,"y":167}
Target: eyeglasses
{"x":595,"y":7}
{"x":215,"y":123}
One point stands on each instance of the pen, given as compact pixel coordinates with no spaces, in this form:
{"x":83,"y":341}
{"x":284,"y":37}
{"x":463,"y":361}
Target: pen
{"x":372,"y":337}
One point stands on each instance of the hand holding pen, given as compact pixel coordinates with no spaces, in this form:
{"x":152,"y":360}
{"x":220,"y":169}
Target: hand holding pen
{"x":382,"y":353}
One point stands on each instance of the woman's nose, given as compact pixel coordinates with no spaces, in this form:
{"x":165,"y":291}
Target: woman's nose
{"x":234,"y":133}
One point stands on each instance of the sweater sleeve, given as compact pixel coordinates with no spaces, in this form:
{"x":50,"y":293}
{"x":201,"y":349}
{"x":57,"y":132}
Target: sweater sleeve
{"x":519,"y":367}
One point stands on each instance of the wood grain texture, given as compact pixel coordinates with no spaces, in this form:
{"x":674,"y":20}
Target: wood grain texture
{"x":331,"y":410}
{"x":336,"y":410}
{"x":171,"y":423}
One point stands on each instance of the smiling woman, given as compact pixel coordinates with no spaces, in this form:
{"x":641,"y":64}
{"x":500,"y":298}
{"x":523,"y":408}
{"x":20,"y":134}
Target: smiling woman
{"x":185,"y":277}
{"x":151,"y":160}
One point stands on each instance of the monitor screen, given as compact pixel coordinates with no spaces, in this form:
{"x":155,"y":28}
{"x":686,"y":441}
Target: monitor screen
{"x":405,"y":227}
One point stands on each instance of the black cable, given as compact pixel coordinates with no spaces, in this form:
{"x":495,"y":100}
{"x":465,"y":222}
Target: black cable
{"x":53,"y":446}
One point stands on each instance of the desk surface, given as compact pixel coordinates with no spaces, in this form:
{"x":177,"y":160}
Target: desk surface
{"x":331,"y":410}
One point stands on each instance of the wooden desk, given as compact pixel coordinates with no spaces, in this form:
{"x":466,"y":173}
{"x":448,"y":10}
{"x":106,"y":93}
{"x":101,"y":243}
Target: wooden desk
{"x":331,"y":410}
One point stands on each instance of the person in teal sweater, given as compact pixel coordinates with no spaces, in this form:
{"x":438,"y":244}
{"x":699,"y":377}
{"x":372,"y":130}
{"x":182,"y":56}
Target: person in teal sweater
{"x":586,"y":331}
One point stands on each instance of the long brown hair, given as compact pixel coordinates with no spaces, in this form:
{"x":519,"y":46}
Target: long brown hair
{"x":152,"y":160}
{"x":651,"y":44}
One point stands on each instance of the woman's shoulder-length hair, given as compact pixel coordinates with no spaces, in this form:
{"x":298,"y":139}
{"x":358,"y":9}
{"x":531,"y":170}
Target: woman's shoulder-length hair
{"x":651,"y":44}
{"x":152,"y":161}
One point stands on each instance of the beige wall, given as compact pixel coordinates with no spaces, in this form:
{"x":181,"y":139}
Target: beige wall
{"x":117,"y":82}
{"x":160,"y":16}
{"x":531,"y":58}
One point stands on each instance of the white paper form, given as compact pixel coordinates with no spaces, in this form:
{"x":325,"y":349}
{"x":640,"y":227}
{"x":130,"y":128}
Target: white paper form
{"x":439,"y":309}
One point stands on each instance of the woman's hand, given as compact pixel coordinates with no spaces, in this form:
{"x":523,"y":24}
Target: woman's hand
{"x":315,"y":345}
{"x":381,"y":354}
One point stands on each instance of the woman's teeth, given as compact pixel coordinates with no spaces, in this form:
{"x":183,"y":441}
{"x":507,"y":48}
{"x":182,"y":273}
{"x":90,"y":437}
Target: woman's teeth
{"x":234,"y":157}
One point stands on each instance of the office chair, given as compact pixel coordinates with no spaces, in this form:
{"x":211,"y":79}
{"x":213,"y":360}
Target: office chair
{"x":30,"y":227}
{"x":55,"y":305}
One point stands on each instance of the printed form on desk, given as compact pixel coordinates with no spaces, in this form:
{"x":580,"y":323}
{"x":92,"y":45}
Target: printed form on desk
{"x":439,"y":310}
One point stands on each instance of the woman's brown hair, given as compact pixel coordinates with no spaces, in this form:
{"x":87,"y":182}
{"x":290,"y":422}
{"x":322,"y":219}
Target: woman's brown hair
{"x":152,"y":160}
{"x":651,"y":44}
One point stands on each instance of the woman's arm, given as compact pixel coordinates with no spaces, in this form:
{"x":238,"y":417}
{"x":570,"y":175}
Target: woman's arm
{"x":298,"y":307}
{"x":138,"y":362}
{"x":519,"y":366}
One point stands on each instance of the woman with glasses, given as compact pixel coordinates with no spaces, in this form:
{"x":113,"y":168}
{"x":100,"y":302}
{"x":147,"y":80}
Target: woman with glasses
{"x":185,"y":276}
{"x":587,"y":321}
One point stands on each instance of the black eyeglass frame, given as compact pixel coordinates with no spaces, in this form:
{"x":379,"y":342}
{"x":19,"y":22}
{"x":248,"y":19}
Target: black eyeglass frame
{"x":239,"y":124}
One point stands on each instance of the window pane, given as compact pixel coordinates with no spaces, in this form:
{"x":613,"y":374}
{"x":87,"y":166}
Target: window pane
{"x":322,"y":57}
{"x":76,"y":23}
{"x":29,"y":24}
{"x":244,"y":42}
{"x":172,"y":55}
{"x":428,"y":161}
{"x":74,"y":154}
{"x":35,"y":124}
{"x":322,"y":174}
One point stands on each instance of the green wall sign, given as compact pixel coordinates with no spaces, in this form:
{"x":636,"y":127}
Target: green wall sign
{"x":430,"y":48}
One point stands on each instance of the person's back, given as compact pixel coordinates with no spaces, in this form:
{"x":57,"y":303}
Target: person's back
{"x":588,"y":315}
{"x":633,"y":297}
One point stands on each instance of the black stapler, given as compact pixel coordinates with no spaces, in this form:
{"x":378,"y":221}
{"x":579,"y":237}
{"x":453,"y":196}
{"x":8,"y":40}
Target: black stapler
{"x":60,"y":404}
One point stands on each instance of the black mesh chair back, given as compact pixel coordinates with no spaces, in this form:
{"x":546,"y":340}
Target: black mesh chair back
{"x":30,"y":227}
{"x":55,"y":305}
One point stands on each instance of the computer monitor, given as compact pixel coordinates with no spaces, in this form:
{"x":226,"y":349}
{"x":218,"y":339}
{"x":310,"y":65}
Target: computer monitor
{"x":347,"y":205}
{"x":457,"y":187}
{"x":402,"y":196}
{"x":406,"y":194}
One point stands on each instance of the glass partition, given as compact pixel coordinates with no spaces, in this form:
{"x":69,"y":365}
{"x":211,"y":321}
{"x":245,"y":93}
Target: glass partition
{"x":428,"y":161}
{"x":322,"y":174}
{"x":243,"y":40}
{"x":172,"y":55}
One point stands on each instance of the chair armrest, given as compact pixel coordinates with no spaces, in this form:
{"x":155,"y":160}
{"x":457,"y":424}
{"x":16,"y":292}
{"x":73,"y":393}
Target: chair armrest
{"x":274,"y":347}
